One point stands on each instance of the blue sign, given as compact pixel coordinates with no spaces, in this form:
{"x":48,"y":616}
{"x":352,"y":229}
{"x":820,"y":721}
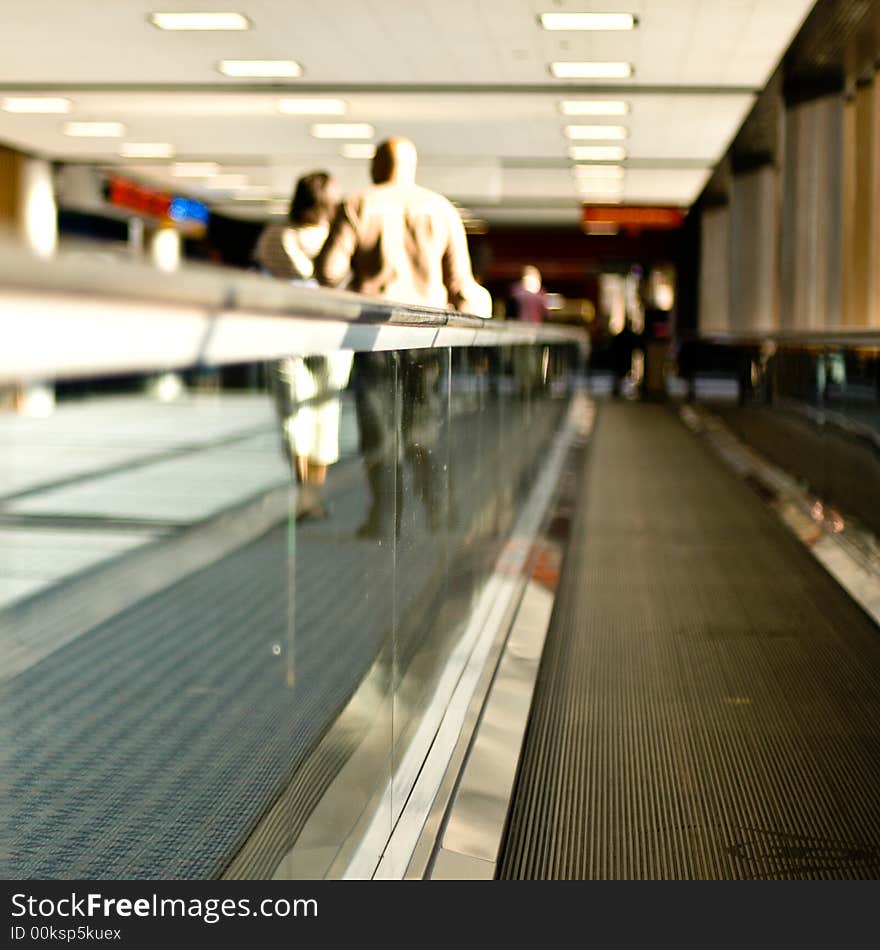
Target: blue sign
{"x":188,"y":210}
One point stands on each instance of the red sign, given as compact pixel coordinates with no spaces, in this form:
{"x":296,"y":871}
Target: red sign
{"x":133,"y":197}
{"x":633,"y":217}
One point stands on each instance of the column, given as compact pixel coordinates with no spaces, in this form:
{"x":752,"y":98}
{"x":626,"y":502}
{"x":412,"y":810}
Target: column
{"x":9,"y":165}
{"x":37,"y":213}
{"x":27,"y":201}
{"x":28,"y":214}
{"x":812,"y":216}
{"x":861,"y":211}
{"x":714,"y":280}
{"x":754,"y":242}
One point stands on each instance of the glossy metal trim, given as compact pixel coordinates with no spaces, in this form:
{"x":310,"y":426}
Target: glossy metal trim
{"x":471,"y":805}
{"x":453,"y":710}
{"x":845,"y":550}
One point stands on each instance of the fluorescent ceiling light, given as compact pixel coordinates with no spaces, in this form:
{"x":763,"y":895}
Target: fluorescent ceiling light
{"x":599,"y":184}
{"x":260,"y":68}
{"x":606,"y":133}
{"x":146,"y":150}
{"x":599,"y":187}
{"x":597,"y":153}
{"x":614,"y":172}
{"x":225,"y":182}
{"x":587,"y":21}
{"x":200,"y":21}
{"x":312,"y":106}
{"x":95,"y":130}
{"x":591,"y":70}
{"x":194,"y":169}
{"x":36,"y":105}
{"x":358,"y":150}
{"x":593,"y":107}
{"x":342,"y":130}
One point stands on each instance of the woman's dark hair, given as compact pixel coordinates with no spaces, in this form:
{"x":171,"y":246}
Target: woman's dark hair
{"x":312,"y":202}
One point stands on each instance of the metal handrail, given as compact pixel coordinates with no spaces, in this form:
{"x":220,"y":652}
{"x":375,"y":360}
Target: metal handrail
{"x":840,"y":336}
{"x":73,"y":316}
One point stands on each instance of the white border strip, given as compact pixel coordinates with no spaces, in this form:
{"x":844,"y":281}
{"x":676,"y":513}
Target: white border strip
{"x":477,"y":814}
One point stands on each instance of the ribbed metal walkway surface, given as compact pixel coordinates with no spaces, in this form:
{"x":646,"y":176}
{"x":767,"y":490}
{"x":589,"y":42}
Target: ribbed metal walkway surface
{"x":708,"y":704}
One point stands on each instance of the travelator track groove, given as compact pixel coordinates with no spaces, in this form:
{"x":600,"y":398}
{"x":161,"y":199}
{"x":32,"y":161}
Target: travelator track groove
{"x":708,"y":704}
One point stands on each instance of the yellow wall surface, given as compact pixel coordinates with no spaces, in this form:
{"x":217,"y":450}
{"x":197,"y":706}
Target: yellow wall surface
{"x":861,"y":237}
{"x":9,"y":187}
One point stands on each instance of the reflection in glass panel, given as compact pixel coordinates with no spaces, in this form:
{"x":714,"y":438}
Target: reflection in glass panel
{"x":229,"y":600}
{"x":814,"y":410}
{"x":183,"y":622}
{"x":425,"y":505}
{"x":340,"y":615}
{"x":463,"y":480}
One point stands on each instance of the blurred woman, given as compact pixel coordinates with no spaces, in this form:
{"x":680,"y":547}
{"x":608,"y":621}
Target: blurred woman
{"x":287,"y":249}
{"x":306,"y":388}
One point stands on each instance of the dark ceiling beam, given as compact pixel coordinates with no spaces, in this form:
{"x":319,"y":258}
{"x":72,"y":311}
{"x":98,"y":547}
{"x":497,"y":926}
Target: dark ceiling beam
{"x":644,"y":162}
{"x":395,"y":89}
{"x":838,"y":43}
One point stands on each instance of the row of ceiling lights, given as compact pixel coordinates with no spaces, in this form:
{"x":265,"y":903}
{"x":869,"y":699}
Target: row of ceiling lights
{"x":602,"y":178}
{"x":54,"y":105}
{"x":591,"y":178}
{"x":262,"y":69}
{"x":290,"y":69}
{"x":210,"y":171}
{"x":351,"y":150}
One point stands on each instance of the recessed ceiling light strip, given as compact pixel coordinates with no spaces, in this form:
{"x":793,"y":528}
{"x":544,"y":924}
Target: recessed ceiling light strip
{"x":200,"y":21}
{"x":195,"y":169}
{"x":587,"y":21}
{"x":226,"y":181}
{"x":260,"y":68}
{"x":36,"y":105}
{"x":597,"y":153}
{"x":358,"y":150}
{"x":597,"y":133}
{"x":146,"y":150}
{"x":591,"y":70}
{"x":612,"y":172}
{"x":594,"y":107}
{"x":95,"y":130}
